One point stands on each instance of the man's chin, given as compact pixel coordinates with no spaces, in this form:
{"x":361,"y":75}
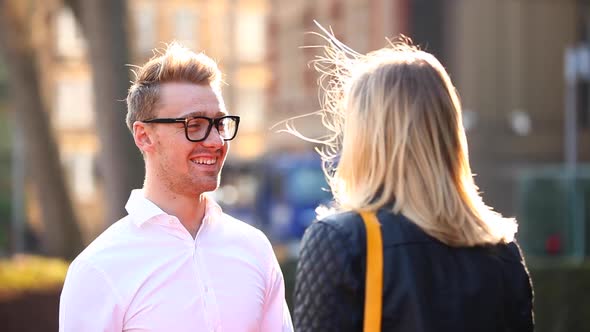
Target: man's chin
{"x":208,"y":190}
{"x":208,"y":186}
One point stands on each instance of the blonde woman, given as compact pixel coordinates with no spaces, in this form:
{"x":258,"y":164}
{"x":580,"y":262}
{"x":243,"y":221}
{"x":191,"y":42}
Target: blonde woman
{"x":398,"y":147}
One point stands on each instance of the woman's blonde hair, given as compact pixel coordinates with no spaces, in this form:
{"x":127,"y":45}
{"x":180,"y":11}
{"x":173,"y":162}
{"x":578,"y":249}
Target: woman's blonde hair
{"x":397,"y":139}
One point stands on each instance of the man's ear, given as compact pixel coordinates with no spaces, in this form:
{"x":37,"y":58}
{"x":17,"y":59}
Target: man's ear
{"x":142,"y":136}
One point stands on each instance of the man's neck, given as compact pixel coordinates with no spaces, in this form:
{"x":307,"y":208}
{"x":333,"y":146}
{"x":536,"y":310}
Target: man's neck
{"x":189,"y":210}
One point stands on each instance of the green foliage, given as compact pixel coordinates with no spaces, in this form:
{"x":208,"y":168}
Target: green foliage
{"x":5,"y":178}
{"x":24,"y":273}
{"x":3,"y":81}
{"x":5,"y":129}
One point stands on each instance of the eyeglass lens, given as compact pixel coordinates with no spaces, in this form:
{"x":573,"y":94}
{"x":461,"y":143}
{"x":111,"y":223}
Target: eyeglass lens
{"x":197,"y":128}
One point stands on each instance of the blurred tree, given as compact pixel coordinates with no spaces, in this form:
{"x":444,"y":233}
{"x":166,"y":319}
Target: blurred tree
{"x":62,"y":235}
{"x":104,"y":27}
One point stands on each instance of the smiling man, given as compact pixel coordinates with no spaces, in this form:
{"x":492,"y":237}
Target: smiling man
{"x":176,"y":262}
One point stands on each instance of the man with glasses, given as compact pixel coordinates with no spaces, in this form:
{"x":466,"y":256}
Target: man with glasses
{"x":176,"y":262}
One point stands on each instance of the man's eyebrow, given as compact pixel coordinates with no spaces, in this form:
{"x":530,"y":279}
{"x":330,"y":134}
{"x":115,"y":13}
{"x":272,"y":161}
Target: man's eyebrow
{"x":195,"y":113}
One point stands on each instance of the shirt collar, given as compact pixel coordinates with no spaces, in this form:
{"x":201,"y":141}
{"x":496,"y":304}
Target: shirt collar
{"x":212,"y":209}
{"x":141,"y":209}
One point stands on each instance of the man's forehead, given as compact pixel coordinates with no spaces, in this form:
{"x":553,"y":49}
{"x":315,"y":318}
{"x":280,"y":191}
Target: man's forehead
{"x":191,"y":98}
{"x":188,"y":90}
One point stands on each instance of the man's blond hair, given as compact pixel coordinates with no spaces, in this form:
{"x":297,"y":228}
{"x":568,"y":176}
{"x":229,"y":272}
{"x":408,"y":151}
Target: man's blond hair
{"x":176,"y":64}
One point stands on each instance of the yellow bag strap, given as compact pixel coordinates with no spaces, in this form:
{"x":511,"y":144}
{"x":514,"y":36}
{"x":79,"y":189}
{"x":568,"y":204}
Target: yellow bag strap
{"x":374,"y":276}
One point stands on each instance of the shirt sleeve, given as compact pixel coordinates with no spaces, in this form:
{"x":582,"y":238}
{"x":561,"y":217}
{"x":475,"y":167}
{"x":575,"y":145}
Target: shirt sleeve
{"x":88,"y":301}
{"x":276,"y":312}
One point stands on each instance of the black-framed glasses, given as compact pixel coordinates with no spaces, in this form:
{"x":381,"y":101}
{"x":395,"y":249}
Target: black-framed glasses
{"x":197,"y":128}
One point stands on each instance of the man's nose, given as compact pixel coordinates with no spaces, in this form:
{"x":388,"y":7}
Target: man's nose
{"x":214,"y":139}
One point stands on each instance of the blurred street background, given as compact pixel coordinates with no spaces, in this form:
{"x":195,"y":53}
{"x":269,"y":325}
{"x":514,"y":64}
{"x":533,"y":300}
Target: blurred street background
{"x":68,"y":162}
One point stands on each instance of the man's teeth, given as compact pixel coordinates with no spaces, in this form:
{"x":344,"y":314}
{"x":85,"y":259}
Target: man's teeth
{"x":203,"y":161}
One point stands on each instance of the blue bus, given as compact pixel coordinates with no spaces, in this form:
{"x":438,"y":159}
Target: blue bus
{"x":278,"y":193}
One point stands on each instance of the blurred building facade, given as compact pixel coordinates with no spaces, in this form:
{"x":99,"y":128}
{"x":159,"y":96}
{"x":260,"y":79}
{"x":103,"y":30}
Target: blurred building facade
{"x":508,"y":62}
{"x":507,"y":58}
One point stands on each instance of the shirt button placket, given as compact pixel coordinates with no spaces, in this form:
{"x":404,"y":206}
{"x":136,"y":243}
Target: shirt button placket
{"x":201,"y":282}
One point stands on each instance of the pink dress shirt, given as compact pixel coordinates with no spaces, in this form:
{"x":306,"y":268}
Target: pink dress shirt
{"x":147,"y":273}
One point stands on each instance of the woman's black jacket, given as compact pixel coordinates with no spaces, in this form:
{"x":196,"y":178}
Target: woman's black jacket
{"x":427,"y":285}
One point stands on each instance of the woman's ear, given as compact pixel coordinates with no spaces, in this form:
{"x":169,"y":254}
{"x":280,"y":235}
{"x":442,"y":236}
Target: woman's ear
{"x":142,"y":136}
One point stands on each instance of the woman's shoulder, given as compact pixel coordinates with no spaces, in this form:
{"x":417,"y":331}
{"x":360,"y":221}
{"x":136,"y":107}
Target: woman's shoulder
{"x":341,"y":220}
{"x":395,"y":228}
{"x":344,"y":229}
{"x":508,"y":252}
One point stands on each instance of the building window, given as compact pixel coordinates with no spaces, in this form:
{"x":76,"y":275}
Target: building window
{"x":80,"y":166}
{"x":220,"y":23}
{"x":73,"y":109}
{"x":250,"y":106}
{"x":145,"y":28}
{"x":291,"y":64}
{"x":251,"y":36}
{"x":186,"y":28}
{"x":70,"y":41}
